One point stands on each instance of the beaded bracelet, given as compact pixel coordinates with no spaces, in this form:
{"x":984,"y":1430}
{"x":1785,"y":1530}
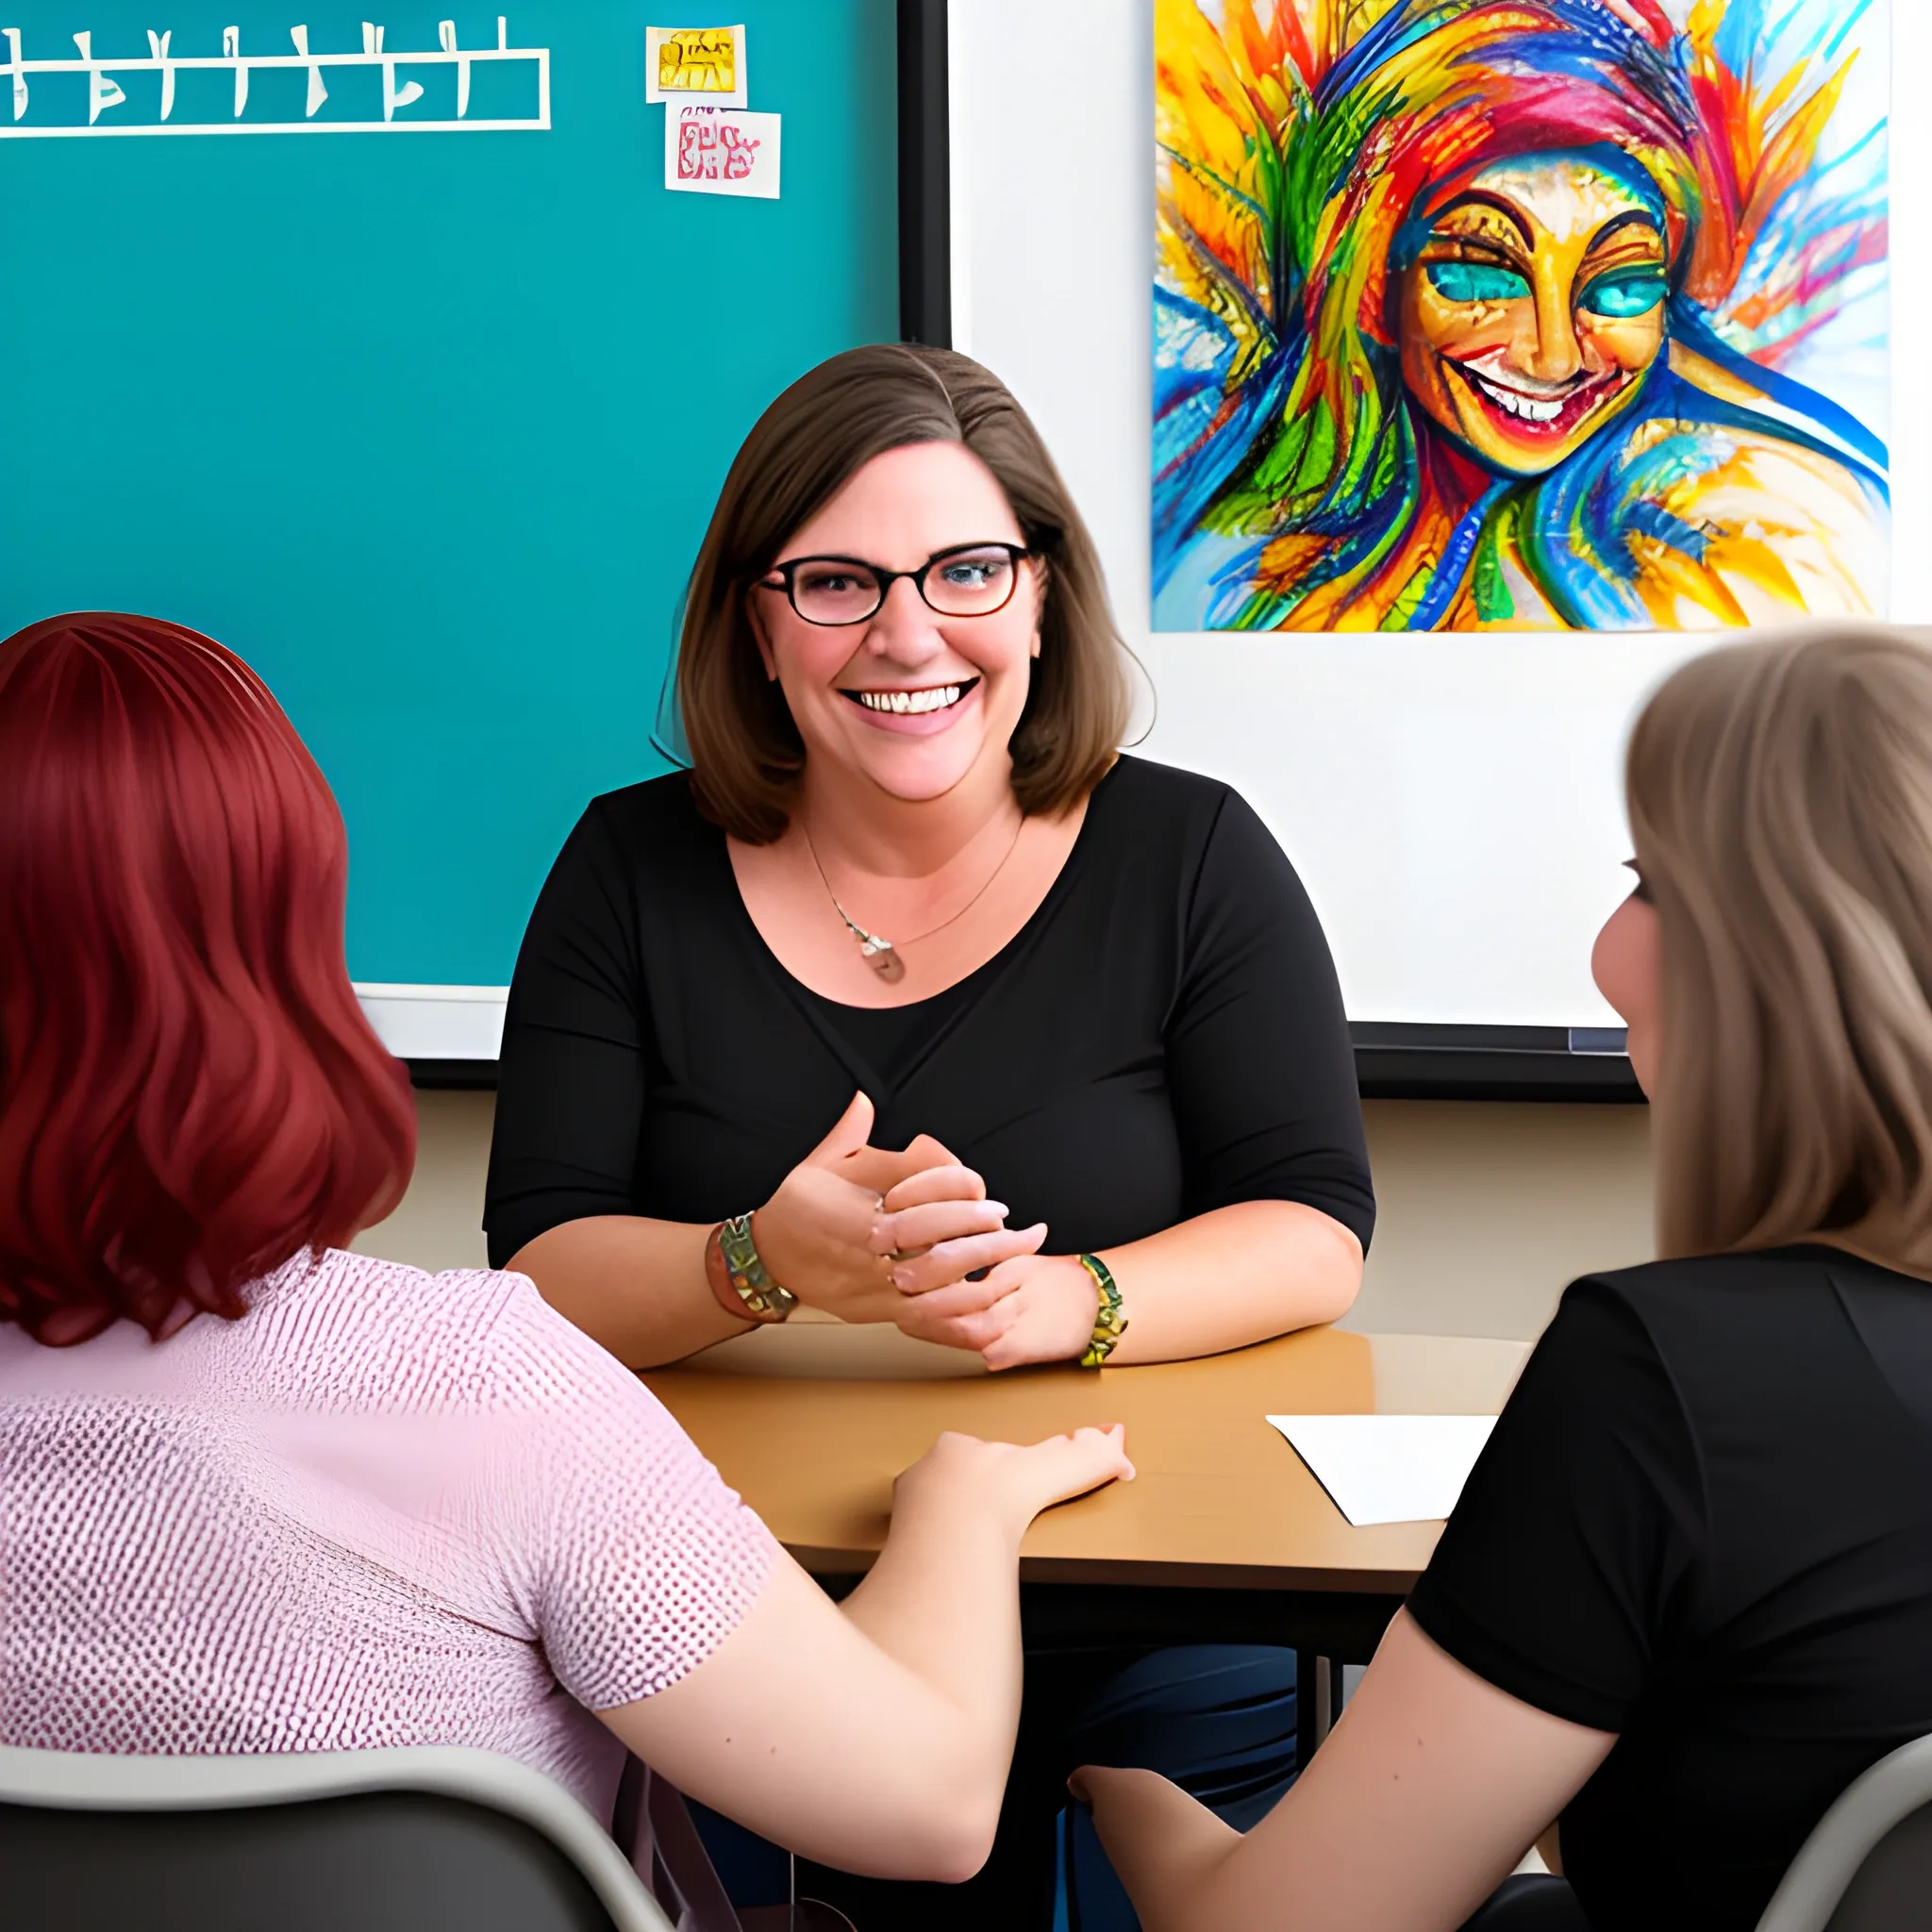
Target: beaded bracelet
{"x":1109,"y":1325}
{"x":764,"y":1299}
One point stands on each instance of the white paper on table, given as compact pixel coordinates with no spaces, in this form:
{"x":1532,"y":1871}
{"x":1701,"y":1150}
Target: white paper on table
{"x":1388,"y":1468}
{"x":720,"y":150}
{"x":700,"y":63}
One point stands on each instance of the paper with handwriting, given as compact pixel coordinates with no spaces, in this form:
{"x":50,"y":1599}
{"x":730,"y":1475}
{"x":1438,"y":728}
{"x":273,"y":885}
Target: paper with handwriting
{"x":721,"y":151}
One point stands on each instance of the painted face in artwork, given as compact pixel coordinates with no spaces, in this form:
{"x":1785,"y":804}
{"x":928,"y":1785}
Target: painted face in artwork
{"x":1534,"y":309}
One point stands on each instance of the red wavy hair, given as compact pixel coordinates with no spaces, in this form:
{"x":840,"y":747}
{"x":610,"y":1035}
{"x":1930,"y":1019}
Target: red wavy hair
{"x":190,"y":1095}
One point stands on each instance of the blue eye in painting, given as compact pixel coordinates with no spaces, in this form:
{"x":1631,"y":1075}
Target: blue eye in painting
{"x":1625,"y":292}
{"x":1477,"y":281}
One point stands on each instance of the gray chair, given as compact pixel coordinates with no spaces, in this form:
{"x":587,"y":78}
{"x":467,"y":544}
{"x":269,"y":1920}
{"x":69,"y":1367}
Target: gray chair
{"x":325,"y":1841}
{"x":1867,"y":1866}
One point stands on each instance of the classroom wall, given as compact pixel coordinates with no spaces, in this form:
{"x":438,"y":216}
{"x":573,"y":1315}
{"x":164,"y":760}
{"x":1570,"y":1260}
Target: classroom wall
{"x":1487,"y":1208}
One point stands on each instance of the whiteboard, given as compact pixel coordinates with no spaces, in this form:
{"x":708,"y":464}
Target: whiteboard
{"x":1454,"y":803}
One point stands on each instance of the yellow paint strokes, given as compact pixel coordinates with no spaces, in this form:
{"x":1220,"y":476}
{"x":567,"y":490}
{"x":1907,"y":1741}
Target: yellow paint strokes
{"x":1713,"y":380}
{"x":1788,"y":533}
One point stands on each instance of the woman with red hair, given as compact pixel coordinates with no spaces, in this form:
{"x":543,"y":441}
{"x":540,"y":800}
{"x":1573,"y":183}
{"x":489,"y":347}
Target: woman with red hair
{"x":261,"y":1494}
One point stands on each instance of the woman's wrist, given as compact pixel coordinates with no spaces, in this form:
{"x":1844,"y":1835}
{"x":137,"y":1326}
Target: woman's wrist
{"x":718,"y":1277}
{"x":1109,"y":1313}
{"x":748,"y":1287}
{"x":993,"y":1514}
{"x":987,"y":1508}
{"x":985,"y":1498}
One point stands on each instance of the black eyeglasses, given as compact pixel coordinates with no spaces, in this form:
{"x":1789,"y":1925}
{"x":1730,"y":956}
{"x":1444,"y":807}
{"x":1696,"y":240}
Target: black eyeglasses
{"x":969,"y":581}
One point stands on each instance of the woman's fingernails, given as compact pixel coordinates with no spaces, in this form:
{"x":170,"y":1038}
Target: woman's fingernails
{"x":998,"y":1208}
{"x":901,"y":1278}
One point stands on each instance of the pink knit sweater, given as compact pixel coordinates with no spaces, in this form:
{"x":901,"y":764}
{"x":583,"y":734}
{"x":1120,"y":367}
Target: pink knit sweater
{"x":384,"y":1507}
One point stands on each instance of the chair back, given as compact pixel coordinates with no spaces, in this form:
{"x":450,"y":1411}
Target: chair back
{"x":1867,"y":1866}
{"x":319,"y":1842}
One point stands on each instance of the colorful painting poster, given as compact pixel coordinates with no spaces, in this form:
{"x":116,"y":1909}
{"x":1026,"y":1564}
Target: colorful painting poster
{"x":1519,"y":314}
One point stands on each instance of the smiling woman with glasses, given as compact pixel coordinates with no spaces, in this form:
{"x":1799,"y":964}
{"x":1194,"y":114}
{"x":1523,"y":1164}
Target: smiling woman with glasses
{"x":915,"y":1001}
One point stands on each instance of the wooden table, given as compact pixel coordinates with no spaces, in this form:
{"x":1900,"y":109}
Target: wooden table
{"x":1224,"y":1537}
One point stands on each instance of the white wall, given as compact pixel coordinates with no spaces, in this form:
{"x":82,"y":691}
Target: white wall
{"x":1487,"y":1208}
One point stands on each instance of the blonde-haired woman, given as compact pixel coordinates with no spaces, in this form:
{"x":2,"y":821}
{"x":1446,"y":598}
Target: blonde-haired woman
{"x":1687,"y":1596}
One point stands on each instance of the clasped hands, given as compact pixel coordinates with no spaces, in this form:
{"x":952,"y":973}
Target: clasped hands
{"x":910,"y":1237}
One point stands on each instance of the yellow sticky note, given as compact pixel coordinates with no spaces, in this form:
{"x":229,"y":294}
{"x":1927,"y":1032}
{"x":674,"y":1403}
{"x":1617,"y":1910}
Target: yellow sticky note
{"x":695,"y":63}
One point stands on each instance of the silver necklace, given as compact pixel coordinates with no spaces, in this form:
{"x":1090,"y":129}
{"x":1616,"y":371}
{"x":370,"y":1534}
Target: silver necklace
{"x":879,"y":953}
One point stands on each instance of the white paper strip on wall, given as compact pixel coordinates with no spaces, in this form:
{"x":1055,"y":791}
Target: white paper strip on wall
{"x":104,"y":95}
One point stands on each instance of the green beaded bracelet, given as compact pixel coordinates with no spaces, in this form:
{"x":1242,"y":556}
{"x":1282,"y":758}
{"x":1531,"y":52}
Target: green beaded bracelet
{"x":1109,"y":1325}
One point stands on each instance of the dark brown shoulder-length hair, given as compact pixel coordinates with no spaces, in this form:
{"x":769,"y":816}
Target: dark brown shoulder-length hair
{"x":745,"y":751}
{"x":1780,"y":797}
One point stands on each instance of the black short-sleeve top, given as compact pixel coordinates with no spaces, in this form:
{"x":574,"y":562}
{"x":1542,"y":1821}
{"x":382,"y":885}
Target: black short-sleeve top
{"x":1164,"y":1036}
{"x":1704,"y":1522}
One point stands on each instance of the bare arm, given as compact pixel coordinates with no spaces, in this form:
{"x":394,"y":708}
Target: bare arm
{"x":1221,"y":1280}
{"x":636,"y":1285}
{"x":1235,"y":1275}
{"x":876,"y":1735}
{"x":1429,"y":1761}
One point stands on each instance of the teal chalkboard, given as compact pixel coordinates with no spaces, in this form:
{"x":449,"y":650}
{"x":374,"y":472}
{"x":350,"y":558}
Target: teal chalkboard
{"x":425,"y":424}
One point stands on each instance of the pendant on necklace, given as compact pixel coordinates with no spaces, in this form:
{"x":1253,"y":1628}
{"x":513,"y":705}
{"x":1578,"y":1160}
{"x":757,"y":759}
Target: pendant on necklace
{"x":881,"y":954}
{"x":882,"y":957}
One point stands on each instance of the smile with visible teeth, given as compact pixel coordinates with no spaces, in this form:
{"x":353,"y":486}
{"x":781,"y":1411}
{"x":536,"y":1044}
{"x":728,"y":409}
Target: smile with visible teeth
{"x":1539,"y":405}
{"x":1527,"y":406}
{"x":938,"y":697}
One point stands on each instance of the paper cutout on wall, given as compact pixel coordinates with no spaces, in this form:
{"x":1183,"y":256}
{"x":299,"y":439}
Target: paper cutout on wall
{"x":721,"y":151}
{"x":41,"y":111}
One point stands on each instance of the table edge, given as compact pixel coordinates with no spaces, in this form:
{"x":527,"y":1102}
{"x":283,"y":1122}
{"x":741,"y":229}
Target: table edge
{"x":1129,"y":1573}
